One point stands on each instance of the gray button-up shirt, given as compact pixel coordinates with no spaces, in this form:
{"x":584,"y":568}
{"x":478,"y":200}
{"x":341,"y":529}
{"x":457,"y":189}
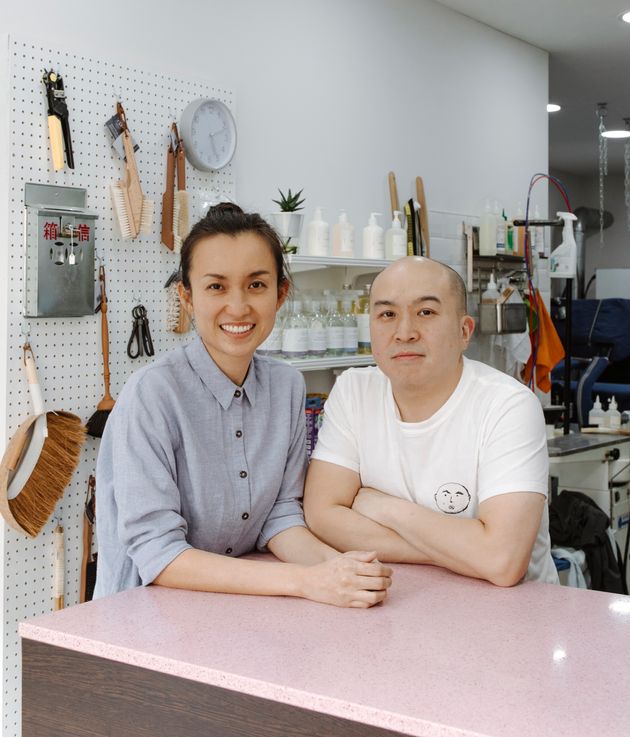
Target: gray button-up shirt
{"x":190,"y":459}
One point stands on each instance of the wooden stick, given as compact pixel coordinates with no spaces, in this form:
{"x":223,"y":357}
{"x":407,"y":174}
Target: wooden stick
{"x":393,"y":193}
{"x":424,"y":215}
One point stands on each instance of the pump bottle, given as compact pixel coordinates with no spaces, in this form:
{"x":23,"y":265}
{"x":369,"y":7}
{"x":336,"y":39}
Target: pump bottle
{"x":343,"y":237}
{"x":373,"y":245}
{"x":395,"y":239}
{"x":563,"y":261}
{"x":317,"y":235}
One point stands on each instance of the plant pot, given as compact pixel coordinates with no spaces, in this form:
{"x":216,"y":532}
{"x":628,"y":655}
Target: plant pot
{"x":289,"y":227}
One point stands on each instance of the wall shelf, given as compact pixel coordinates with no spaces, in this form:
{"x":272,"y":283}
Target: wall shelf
{"x":299,"y":263}
{"x":330,"y":362}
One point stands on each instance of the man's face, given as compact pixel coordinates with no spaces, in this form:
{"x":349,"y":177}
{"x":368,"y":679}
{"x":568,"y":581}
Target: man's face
{"x":418,"y":335}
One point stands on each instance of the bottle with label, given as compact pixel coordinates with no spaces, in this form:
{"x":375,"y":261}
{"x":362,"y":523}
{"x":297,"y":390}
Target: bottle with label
{"x":363,"y":321}
{"x":350,"y":327}
{"x":334,"y":329}
{"x":343,"y":237}
{"x":563,"y":261}
{"x":501,"y":229}
{"x":487,"y":232}
{"x":596,"y":415}
{"x":295,"y":333}
{"x":272,"y":345}
{"x":395,"y":239}
{"x":373,"y":243}
{"x":317,"y":235}
{"x":316,"y":332}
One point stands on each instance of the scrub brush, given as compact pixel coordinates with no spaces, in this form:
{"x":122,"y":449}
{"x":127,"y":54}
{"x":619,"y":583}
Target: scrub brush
{"x":177,"y":319}
{"x":181,"y":209}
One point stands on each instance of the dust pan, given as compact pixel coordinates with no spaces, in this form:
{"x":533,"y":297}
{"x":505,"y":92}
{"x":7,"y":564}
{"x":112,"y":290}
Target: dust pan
{"x":39,"y":461}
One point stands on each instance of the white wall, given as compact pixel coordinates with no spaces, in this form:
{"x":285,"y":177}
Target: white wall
{"x":331,"y":95}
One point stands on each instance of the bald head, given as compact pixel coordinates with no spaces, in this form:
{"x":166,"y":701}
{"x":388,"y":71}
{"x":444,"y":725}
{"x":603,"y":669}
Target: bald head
{"x":405,"y":267}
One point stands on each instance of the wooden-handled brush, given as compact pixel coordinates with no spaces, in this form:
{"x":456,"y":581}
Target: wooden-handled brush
{"x":39,"y":461}
{"x":167,"y":200}
{"x":423,"y":217}
{"x":96,"y":423}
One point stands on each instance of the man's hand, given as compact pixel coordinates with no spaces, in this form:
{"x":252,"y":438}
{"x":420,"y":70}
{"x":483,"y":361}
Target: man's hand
{"x":354,"y":579}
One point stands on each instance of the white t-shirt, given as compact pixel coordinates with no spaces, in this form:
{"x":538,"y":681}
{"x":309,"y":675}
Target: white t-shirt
{"x":487,"y":439}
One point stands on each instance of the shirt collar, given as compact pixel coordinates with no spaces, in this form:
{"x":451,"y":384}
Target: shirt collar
{"x":215,"y":380}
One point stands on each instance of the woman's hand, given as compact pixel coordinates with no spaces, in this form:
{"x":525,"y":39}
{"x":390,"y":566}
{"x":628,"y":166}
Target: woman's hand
{"x":354,"y":579}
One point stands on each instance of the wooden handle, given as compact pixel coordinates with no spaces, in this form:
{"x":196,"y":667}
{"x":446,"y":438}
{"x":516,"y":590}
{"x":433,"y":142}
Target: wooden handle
{"x":59,"y":570}
{"x":86,"y":556}
{"x":56,"y":141}
{"x":181,"y":167}
{"x":424,"y":215}
{"x":393,"y":193}
{"x":35,"y":389}
{"x":133,"y":183}
{"x":16,"y":447}
{"x":167,"y":201}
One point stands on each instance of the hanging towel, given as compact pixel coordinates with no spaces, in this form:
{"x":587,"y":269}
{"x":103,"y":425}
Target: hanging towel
{"x":577,"y":562}
{"x":513,"y":350}
{"x":550,"y":349}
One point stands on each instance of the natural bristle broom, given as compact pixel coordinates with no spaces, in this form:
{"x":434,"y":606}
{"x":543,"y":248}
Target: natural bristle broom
{"x":96,"y":423}
{"x":39,"y":461}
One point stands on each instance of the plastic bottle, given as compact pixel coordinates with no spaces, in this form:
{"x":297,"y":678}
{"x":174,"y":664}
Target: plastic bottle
{"x":295,"y":333}
{"x":613,"y":415}
{"x":272,"y":345}
{"x":563,"y":262}
{"x":539,"y":235}
{"x":501,"y":229}
{"x":334,"y":329}
{"x":316,"y":331}
{"x":373,"y":244}
{"x":350,"y":327}
{"x":317,"y":235}
{"x":518,"y":233}
{"x":363,"y":321}
{"x":395,"y":239}
{"x":491,"y":293}
{"x":487,"y":232}
{"x":596,"y":415}
{"x":343,"y":237}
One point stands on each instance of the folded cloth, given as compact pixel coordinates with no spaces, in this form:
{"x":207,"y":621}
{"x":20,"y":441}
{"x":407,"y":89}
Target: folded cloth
{"x":577,"y":563}
{"x":550,"y":349}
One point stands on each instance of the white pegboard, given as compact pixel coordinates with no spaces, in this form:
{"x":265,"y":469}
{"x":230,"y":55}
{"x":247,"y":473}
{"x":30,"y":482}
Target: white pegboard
{"x":68,"y":350}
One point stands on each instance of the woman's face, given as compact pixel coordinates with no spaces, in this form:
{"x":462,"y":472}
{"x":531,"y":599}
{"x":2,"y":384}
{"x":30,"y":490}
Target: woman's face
{"x":233,"y":297}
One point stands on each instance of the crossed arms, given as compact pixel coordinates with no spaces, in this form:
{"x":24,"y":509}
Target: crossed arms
{"x":495,"y":546}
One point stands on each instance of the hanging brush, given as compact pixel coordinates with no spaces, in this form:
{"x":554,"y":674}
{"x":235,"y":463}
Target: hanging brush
{"x":59,"y":572}
{"x":96,"y":423}
{"x":177,"y":319}
{"x":181,"y":209}
{"x":39,"y":461}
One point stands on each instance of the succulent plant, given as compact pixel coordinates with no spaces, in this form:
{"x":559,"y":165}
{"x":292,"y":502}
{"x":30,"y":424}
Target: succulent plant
{"x":289,"y":202}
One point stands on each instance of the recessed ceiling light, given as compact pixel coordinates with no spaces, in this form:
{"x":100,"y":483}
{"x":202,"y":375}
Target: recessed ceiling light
{"x":552,"y":107}
{"x":625,"y":17}
{"x":616,"y":134}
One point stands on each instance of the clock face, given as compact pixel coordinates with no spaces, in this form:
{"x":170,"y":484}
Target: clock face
{"x":209,"y":134}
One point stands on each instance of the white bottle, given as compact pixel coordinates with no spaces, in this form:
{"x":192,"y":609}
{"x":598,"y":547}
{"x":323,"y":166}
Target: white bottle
{"x":316,"y":332}
{"x":563,"y":261}
{"x":295,"y":333}
{"x":487,"y":233}
{"x":596,"y":415}
{"x":395,"y":239}
{"x":373,"y":243}
{"x":613,"y":415}
{"x":334,"y":329}
{"x":539,"y":235}
{"x":317,"y":235}
{"x":272,"y":345}
{"x":343,"y":237}
{"x":491,"y":294}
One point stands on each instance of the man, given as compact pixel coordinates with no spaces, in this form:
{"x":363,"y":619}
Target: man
{"x":431,"y":457}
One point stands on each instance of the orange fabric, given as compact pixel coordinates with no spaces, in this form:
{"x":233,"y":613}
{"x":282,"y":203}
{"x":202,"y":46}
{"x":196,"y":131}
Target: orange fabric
{"x":550,"y":349}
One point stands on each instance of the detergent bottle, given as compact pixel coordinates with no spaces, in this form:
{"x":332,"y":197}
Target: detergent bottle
{"x":563,"y":261}
{"x":596,"y":415}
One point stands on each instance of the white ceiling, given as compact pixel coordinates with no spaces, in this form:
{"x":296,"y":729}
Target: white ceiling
{"x":589,"y":62}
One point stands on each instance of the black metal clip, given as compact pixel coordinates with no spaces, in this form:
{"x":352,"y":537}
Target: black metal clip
{"x":57,"y":106}
{"x":140,"y":342}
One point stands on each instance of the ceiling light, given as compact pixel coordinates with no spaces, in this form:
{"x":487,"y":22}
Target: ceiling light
{"x":616,"y":134}
{"x":552,"y":107}
{"x":625,"y":17}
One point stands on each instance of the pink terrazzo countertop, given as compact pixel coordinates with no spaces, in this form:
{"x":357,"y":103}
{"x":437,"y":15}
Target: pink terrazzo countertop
{"x":445,"y":656}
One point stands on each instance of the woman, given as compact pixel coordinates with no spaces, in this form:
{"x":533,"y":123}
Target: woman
{"x":203,"y":457}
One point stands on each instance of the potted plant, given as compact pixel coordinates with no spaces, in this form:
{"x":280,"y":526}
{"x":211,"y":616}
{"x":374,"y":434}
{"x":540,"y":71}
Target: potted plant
{"x":288,"y":222}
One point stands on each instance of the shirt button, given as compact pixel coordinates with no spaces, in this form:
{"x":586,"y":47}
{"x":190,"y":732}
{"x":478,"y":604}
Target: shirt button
{"x":243,"y":474}
{"x":228,"y":551}
{"x":237,"y":393}
{"x":245,"y":515}
{"x":239,"y":434}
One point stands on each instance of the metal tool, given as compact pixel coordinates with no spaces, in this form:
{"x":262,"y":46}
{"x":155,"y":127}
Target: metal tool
{"x":58,"y":119}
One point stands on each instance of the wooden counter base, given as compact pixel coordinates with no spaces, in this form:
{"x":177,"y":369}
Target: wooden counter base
{"x":76,"y":695}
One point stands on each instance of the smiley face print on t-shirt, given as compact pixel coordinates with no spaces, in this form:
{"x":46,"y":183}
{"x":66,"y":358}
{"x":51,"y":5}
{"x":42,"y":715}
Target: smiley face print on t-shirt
{"x":452,"y":498}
